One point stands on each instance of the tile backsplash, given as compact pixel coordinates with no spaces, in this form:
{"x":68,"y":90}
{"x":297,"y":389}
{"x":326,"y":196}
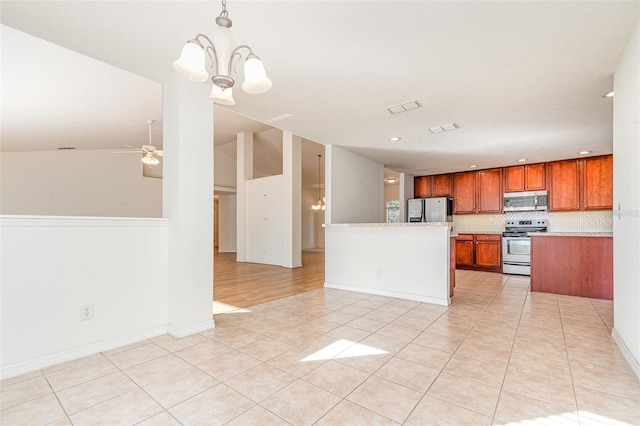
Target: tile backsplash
{"x":583,"y":221}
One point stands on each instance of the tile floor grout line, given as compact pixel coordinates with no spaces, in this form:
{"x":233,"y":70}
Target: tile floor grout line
{"x":64,"y":410}
{"x":513,"y":343}
{"x":573,"y":386}
{"x":447,"y":363}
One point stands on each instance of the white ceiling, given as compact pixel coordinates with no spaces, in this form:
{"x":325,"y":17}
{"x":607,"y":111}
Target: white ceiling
{"x":522,"y":79}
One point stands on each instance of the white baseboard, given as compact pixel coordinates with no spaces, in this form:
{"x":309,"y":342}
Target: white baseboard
{"x":82,"y":351}
{"x":179,"y":332}
{"x":633,"y":362}
{"x":389,"y":293}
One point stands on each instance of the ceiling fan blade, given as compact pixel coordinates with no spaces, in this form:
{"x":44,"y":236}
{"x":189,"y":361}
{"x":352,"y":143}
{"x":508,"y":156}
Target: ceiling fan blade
{"x":158,"y":152}
{"x":131,"y":146}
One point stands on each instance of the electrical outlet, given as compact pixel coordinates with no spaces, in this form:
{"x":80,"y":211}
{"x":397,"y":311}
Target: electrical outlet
{"x":86,"y":312}
{"x":378,"y":271}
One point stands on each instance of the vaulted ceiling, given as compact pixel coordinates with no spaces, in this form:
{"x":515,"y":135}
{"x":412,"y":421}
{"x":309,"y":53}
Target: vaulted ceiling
{"x":521,"y":79}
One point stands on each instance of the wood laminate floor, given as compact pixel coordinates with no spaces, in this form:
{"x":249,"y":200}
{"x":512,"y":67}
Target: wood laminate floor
{"x":242,"y":284}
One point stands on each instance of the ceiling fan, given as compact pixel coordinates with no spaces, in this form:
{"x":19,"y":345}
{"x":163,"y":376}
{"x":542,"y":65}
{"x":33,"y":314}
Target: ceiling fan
{"x":149,"y":152}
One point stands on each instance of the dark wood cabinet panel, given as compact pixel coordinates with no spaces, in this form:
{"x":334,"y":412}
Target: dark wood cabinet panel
{"x":514,"y":179}
{"x":575,"y":266}
{"x":464,"y":252}
{"x":563,"y":183}
{"x":597,"y":189}
{"x":576,"y":184}
{"x":489,"y":193}
{"x":530,"y":177}
{"x":534,"y":177}
{"x":488,"y":254}
{"x":464,"y":193}
{"x":441,"y":186}
{"x":480,"y":251}
{"x":422,"y":187}
{"x":581,"y":184}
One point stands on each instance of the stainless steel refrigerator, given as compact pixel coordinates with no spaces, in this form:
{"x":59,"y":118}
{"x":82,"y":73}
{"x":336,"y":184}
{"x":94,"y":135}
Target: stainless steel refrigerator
{"x":438,"y":209}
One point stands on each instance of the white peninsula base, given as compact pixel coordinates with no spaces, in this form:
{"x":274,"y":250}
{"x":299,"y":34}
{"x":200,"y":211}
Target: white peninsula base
{"x":404,"y":260}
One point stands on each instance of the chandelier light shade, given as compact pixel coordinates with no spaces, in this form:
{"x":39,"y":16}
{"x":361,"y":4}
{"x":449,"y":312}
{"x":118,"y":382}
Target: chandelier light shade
{"x":320,"y":204}
{"x":222,"y":57}
{"x":222,"y":97}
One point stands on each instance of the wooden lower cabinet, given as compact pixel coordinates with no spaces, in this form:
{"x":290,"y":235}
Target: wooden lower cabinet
{"x":479,"y":252}
{"x":575,"y":266}
{"x":489,"y":251}
{"x":464,"y":250}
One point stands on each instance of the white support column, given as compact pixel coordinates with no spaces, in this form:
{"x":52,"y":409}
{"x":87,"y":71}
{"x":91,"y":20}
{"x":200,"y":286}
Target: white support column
{"x":187,"y":188}
{"x":328,"y":184}
{"x":291,"y":200}
{"x":243,"y":174}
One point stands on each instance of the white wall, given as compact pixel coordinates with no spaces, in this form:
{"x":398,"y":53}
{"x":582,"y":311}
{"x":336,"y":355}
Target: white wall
{"x":227,"y":223}
{"x":264,"y":220}
{"x":626,"y":195}
{"x":77,"y":183}
{"x":353,"y":187}
{"x":52,"y":266}
{"x":225,"y":165}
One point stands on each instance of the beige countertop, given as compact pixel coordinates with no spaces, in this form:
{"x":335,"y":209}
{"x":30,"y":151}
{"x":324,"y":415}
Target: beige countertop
{"x":479,"y":232}
{"x":571,"y":234}
{"x":389,"y":225}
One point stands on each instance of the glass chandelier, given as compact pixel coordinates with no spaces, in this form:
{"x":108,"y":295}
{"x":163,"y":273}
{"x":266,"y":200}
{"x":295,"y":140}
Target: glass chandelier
{"x":222,"y":57}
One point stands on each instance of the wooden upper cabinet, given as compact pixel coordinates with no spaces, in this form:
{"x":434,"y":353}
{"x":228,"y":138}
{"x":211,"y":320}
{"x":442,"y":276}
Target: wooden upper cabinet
{"x":441,"y":186}
{"x":489,"y":191}
{"x":563,"y":183}
{"x":529,"y":177}
{"x":422,"y":187}
{"x":464,"y":193}
{"x":597,"y":183}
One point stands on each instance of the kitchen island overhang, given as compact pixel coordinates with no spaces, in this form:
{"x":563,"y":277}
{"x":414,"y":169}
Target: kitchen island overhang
{"x":403,"y":260}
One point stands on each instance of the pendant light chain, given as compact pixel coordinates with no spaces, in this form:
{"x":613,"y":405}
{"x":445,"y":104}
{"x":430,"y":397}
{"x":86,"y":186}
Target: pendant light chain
{"x":224,"y":12}
{"x":319,"y":177}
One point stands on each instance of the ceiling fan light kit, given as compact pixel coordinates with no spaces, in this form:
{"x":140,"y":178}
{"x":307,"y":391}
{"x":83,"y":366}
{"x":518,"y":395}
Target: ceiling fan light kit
{"x":222,"y":55}
{"x":149,"y":152}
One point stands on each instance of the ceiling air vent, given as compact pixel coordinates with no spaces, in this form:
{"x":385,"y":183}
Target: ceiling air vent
{"x":408,"y":106}
{"x":444,"y":128}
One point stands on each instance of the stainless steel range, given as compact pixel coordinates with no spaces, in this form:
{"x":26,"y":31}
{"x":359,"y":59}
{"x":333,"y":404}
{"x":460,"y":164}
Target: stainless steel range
{"x":516,"y":245}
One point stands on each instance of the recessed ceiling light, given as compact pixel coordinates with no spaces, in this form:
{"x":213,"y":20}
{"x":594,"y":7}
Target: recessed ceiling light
{"x":391,"y":180}
{"x":608,"y":95}
{"x":584,"y":152}
{"x":395,"y":139}
{"x":522,"y":160}
{"x":473,"y":166}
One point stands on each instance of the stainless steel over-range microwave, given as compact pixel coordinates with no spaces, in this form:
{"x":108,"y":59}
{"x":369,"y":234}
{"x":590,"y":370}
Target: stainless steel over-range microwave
{"x":525,"y":201}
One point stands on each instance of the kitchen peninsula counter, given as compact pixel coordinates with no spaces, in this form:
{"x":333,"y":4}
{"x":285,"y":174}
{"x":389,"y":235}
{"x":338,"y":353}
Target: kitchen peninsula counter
{"x":412,"y":261}
{"x":571,"y":234}
{"x":572,"y":263}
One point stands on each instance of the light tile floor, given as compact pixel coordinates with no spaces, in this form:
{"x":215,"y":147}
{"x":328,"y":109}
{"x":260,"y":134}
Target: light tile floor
{"x":497,"y":355}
